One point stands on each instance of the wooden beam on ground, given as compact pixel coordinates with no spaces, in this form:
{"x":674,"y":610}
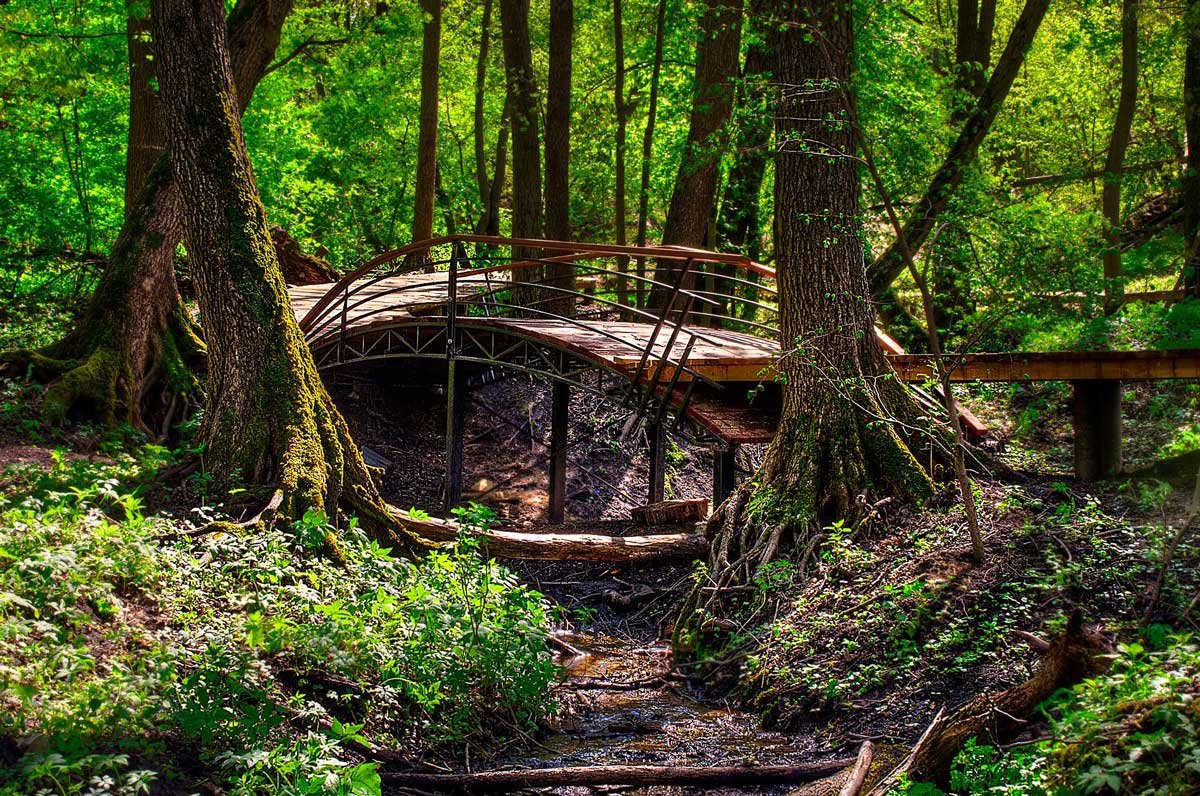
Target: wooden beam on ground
{"x":567,"y":546}
{"x":633,"y":776}
{"x":672,"y":512}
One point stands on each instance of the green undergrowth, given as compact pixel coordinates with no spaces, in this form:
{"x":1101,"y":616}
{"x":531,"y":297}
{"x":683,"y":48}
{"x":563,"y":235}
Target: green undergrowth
{"x":138,"y":653}
{"x":890,"y":620}
{"x":1130,"y":731}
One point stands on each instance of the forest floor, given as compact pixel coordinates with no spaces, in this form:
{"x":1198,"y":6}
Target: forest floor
{"x":895,"y":624}
{"x":893,"y":627}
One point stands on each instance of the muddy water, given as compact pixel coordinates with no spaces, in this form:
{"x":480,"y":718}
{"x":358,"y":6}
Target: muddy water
{"x":654,"y":725}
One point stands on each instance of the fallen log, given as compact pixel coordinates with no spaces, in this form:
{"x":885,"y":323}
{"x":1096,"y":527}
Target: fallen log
{"x":1078,"y":653}
{"x":634,"y":776}
{"x":566,"y":546}
{"x":858,"y":774}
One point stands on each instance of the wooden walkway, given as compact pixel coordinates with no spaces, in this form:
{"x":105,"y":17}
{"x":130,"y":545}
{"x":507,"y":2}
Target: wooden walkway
{"x":722,"y":356}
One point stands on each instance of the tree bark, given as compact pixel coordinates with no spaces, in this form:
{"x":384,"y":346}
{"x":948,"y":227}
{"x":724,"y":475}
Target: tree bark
{"x":526,"y":155}
{"x":481,"y":64}
{"x":135,"y":353}
{"x":558,"y":150}
{"x":267,"y":417}
{"x":832,"y":453}
{"x":1110,"y":195}
{"x":622,"y":119}
{"x":489,"y":221}
{"x":962,"y":152}
{"x":145,"y":144}
{"x":427,"y":123}
{"x":1191,"y":120}
{"x":712,"y":100}
{"x":643,"y":219}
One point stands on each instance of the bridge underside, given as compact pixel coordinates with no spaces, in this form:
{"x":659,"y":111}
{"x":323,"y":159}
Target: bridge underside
{"x":688,"y":344}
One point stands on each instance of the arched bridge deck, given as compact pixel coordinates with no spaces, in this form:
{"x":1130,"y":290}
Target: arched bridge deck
{"x":686,"y":330}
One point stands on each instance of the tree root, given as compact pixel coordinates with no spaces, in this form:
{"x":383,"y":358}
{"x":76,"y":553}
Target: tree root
{"x":93,"y":379}
{"x":1079,"y":652}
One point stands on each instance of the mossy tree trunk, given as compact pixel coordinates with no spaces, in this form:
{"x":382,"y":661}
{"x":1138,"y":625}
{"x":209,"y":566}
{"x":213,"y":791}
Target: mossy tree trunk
{"x":837,"y":448}
{"x":268,"y":419}
{"x":135,"y":353}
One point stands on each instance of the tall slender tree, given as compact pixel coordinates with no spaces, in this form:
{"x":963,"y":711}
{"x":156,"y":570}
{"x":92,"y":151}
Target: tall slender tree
{"x":643,"y":218}
{"x":558,"y":147}
{"x":268,"y":419}
{"x":134,"y":354}
{"x":523,"y":111}
{"x":974,"y":130}
{"x":1191,"y":120}
{"x":482,"y":180}
{"x":1114,"y":163}
{"x":692,"y":199}
{"x":145,"y":140}
{"x":427,"y":123}
{"x":621,"y":113}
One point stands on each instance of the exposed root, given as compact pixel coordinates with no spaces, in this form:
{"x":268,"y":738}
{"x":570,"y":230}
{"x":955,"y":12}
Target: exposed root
{"x":109,"y":383}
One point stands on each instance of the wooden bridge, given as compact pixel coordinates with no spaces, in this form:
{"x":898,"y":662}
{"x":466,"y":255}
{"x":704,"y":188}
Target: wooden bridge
{"x":686,"y":334}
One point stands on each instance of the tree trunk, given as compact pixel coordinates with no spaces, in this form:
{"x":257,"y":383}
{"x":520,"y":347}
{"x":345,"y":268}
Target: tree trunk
{"x":427,"y":123}
{"x":832,"y":453}
{"x":267,"y":416}
{"x":526,"y":157}
{"x":1191,"y":120}
{"x":738,"y":224}
{"x":738,"y":228}
{"x":489,"y":221}
{"x":962,"y":152}
{"x":622,"y":119}
{"x":558,"y":150}
{"x":643,"y":219}
{"x":481,"y":64}
{"x":1110,"y":195}
{"x":712,"y":100}
{"x":973,"y":43}
{"x":134,"y":355}
{"x":145,"y":144}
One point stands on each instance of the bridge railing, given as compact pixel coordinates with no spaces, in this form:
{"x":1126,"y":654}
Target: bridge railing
{"x":653,"y":305}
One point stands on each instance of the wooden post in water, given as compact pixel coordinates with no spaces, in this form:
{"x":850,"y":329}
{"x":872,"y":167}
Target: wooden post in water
{"x":1096,"y":418}
{"x":658,"y":461}
{"x":724,"y":473}
{"x":559,"y":423}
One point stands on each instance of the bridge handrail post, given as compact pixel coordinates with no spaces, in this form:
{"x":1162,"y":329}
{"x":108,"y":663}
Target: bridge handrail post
{"x":658,"y":324}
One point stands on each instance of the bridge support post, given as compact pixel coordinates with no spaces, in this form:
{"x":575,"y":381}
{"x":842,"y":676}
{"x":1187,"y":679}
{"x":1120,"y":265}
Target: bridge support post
{"x":1096,"y":419}
{"x":559,"y":423}
{"x":724,"y":473}
{"x":456,"y":404}
{"x":657,"y":433}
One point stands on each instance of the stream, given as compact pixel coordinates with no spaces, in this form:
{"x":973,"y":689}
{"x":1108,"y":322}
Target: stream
{"x":666,"y":724}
